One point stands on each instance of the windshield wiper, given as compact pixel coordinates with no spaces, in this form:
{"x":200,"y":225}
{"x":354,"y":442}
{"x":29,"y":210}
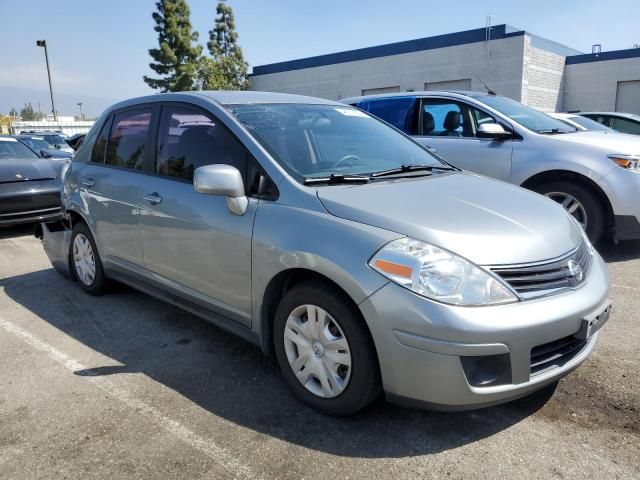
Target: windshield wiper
{"x":335,"y":179}
{"x":411,"y":168}
{"x":551,"y":131}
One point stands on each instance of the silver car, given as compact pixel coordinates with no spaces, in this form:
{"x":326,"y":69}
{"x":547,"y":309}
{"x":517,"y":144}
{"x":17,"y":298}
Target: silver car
{"x":359,"y":259}
{"x":595,"y":177}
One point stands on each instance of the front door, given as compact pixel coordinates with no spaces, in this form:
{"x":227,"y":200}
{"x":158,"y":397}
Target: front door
{"x":191,"y":242}
{"x":450,"y":127}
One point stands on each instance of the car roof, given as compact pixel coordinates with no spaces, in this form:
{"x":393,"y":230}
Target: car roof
{"x":424,"y":93}
{"x":630,"y":116}
{"x":230,"y":97}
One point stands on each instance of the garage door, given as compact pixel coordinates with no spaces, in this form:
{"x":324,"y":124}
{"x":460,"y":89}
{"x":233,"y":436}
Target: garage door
{"x":378,"y":91}
{"x":463,"y":84}
{"x":628,"y":97}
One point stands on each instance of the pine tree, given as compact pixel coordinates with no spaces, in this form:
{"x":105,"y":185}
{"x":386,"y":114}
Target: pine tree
{"x":228,"y":71}
{"x":28,"y":113}
{"x":176,"y":59}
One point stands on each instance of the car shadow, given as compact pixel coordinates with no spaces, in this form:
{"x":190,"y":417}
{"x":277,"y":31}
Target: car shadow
{"x":623,"y":251}
{"x":17,"y":231}
{"x":234,"y":380}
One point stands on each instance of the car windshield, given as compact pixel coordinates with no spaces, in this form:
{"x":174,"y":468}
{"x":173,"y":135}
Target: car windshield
{"x":11,"y":149}
{"x":590,"y":124}
{"x":55,"y":140}
{"x":316,"y":141}
{"x":528,"y":117}
{"x":38,"y":143}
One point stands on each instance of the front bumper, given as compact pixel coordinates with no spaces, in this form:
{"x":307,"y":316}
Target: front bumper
{"x":622,"y":188}
{"x":421,"y":344}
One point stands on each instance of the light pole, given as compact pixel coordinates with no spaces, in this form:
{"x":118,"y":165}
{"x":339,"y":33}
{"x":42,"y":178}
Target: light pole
{"x":81,"y":115}
{"x":43,"y":43}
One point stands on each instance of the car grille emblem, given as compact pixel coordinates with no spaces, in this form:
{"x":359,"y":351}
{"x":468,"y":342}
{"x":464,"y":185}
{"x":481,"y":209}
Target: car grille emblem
{"x":575,"y":270}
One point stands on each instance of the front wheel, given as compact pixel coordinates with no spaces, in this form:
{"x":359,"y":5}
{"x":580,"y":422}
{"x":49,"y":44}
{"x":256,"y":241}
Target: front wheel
{"x":581,"y":203}
{"x":324,"y":350}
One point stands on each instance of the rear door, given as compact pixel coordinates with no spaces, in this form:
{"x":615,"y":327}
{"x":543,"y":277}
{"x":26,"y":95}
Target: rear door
{"x":110,"y":184}
{"x":192,"y":243}
{"x":450,"y":127}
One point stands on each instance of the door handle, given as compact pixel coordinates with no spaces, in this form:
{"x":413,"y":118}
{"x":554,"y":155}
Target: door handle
{"x":88,"y":182}
{"x":153,"y":198}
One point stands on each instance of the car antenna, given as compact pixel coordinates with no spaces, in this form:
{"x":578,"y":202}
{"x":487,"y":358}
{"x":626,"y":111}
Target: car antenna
{"x":489,"y":91}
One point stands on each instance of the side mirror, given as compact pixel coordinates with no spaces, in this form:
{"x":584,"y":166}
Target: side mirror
{"x":492,"y":130}
{"x":45,"y":154}
{"x":223,"y":180}
{"x":58,"y":146}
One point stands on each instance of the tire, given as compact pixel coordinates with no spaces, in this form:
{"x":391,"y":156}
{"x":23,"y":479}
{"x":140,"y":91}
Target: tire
{"x":591,"y":204}
{"x":357,"y":385}
{"x":97,"y":283}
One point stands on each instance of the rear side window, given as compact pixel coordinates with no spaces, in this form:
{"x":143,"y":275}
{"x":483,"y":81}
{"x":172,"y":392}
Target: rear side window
{"x":400,"y":112}
{"x":100,"y":147}
{"x":128,"y":137}
{"x":625,"y":126}
{"x":188,"y":139}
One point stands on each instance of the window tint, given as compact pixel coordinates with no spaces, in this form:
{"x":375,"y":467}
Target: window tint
{"x":128,"y":138}
{"x":188,"y":139}
{"x":625,"y":126}
{"x":400,"y":112}
{"x":100,"y":147}
{"x":445,"y":118}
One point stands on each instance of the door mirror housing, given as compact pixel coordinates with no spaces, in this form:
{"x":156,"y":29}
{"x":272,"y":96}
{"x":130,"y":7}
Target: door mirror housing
{"x":222,"y":180}
{"x":492,"y":130}
{"x":45,"y":154}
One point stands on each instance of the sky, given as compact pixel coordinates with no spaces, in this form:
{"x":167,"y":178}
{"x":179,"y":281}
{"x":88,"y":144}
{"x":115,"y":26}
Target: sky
{"x":99,"y":50}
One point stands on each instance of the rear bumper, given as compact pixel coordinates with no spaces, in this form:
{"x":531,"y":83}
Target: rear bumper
{"x":425,"y":349}
{"x":56,"y":240}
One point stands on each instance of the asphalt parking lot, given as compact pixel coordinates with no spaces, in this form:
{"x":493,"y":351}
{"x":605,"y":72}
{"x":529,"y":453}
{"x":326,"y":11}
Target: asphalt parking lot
{"x":123,"y":386}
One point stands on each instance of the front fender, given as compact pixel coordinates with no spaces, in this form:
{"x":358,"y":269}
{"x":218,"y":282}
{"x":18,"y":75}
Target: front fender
{"x":286,"y":238}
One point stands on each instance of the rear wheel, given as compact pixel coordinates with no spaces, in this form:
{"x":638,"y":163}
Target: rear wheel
{"x":581,"y":203}
{"x":86,"y":265}
{"x":324,"y":350}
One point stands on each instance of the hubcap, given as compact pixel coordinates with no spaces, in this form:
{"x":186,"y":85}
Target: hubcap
{"x":317,"y":351}
{"x":84,"y":260}
{"x":572,"y":205}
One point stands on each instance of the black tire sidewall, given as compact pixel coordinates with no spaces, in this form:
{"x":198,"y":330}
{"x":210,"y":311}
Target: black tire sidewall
{"x":99,"y":285}
{"x":364,"y":381}
{"x":588,"y":199}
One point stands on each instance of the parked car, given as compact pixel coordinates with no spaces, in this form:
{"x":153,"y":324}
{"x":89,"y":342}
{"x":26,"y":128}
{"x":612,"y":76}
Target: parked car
{"x":622,"y":122}
{"x":42,"y":148}
{"x":57,"y":139}
{"x":344,"y":247}
{"x":594,"y":176}
{"x":581,"y":123}
{"x":29,"y":185}
{"x":76,"y":140}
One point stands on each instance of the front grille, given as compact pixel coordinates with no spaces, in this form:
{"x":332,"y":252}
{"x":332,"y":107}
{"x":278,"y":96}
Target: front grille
{"x":544,"y":278}
{"x":25,"y":201}
{"x":555,"y":354}
{"x":35,"y":215}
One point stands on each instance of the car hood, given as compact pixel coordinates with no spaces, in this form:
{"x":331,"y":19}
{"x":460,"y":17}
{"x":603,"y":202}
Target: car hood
{"x":20,"y":170}
{"x":611,"y":142}
{"x":486,"y":221}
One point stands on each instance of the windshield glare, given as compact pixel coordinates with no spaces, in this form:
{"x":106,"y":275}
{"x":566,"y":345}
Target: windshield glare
{"x":314,"y":141}
{"x":590,"y":124}
{"x":38,"y":143}
{"x":526,"y":116}
{"x":10,"y":150}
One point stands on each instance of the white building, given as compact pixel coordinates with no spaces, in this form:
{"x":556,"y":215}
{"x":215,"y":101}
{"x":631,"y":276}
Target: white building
{"x":512,"y":62}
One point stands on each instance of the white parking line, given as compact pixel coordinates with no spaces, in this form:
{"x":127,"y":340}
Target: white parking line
{"x":625,"y":287}
{"x":207,"y":446}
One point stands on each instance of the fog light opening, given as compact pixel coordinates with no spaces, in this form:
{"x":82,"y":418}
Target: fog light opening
{"x":487,"y":370}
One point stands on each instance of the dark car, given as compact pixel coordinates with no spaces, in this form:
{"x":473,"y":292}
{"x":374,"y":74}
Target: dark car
{"x":622,"y":122}
{"x":57,"y":139}
{"x":29,"y":185}
{"x":43,"y":148}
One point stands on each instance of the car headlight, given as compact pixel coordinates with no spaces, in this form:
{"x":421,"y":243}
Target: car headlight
{"x":628,"y":162}
{"x":438,"y":274}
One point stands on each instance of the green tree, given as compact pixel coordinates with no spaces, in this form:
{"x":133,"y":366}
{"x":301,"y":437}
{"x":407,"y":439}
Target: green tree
{"x":176,"y":59}
{"x":13,"y":112}
{"x":228,"y":70}
{"x":29,"y":114}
